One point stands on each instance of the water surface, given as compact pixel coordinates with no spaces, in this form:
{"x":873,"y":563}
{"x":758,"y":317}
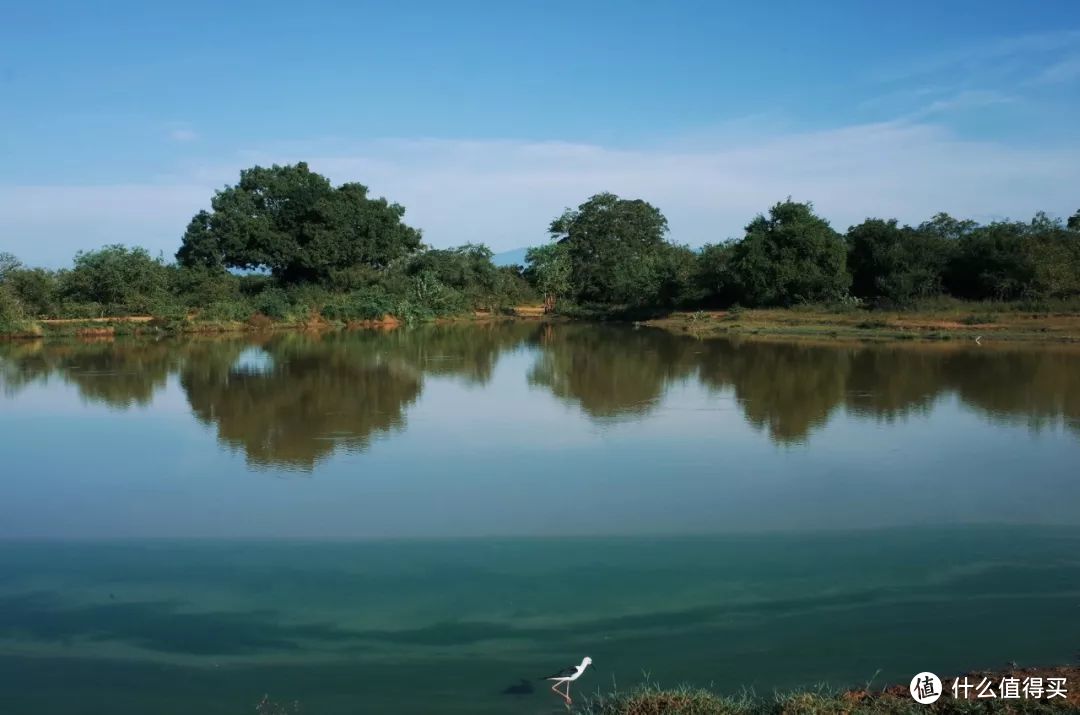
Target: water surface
{"x":418,"y":520}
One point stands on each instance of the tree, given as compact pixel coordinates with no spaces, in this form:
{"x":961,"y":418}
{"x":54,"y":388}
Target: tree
{"x":549,"y":271}
{"x":945,"y":226}
{"x":993,"y":262}
{"x":678,"y":268}
{"x":615,"y":247}
{"x":36,"y":288}
{"x":292,"y":222}
{"x":8,"y":264}
{"x":466,"y":269}
{"x":1054,"y":253}
{"x":790,"y":256}
{"x":119,"y":278}
{"x":716,"y":279}
{"x":1074,"y":222}
{"x":894,"y":262}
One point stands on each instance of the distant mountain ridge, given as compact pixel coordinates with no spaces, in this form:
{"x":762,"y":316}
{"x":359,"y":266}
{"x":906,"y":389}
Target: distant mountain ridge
{"x":509,"y":258}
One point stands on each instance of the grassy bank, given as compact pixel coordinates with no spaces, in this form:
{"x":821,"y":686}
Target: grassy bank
{"x":937,"y":320}
{"x":651,"y":699}
{"x":193,"y":325}
{"x":943,"y":320}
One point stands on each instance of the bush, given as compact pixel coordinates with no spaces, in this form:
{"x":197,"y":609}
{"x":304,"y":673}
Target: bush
{"x":370,"y":304}
{"x":11,"y":311}
{"x":235,"y":310}
{"x":272,"y":303}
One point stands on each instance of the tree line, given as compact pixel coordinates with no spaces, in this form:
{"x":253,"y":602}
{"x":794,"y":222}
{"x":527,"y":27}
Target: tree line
{"x":285,"y":243}
{"x":612,"y":250}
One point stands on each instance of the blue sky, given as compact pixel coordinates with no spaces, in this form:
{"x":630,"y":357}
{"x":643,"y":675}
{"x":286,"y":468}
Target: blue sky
{"x":486,"y":119}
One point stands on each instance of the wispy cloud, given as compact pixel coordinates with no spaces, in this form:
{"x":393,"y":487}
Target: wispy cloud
{"x":183,"y":134}
{"x":964,"y":100}
{"x":988,"y":56}
{"x":505,"y":192}
{"x":1067,"y":70}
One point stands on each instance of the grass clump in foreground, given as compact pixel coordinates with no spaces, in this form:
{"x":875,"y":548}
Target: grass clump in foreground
{"x":651,"y":699}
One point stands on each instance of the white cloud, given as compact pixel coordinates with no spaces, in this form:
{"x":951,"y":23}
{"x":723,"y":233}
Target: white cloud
{"x":505,"y":192}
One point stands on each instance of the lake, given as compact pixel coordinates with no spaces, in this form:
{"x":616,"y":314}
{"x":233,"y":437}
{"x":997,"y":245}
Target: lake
{"x":429,"y":519}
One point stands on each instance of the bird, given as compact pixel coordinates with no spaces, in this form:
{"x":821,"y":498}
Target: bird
{"x":567,"y":676}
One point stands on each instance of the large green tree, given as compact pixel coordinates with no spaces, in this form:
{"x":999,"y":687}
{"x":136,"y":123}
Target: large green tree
{"x":616,"y":249}
{"x":790,"y":256}
{"x":294,"y":223}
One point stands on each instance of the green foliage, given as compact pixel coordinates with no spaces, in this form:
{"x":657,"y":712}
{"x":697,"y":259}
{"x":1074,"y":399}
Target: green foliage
{"x":124,"y":281}
{"x":513,"y":288}
{"x":716,"y":279}
{"x":198,"y":286}
{"x":616,"y":248}
{"x":791,"y":256}
{"x":273,"y":303}
{"x":36,"y":288}
{"x":549,"y":271}
{"x":8,"y":263}
{"x":898,"y":264}
{"x":294,"y":223}
{"x":11,"y":310}
{"x":286,"y":245}
{"x":370,"y":304}
{"x":678,"y":268}
{"x":1054,"y":253}
{"x":236,"y":310}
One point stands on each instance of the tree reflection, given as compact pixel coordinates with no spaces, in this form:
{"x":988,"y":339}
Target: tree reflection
{"x":306,"y":397}
{"x":291,"y":400}
{"x":119,"y":375}
{"x":609,"y":372}
{"x":302,"y":402}
{"x":787,"y":389}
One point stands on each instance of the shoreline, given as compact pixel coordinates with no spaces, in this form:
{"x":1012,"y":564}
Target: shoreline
{"x":875,"y":325}
{"x":974,"y":322}
{"x":895,"y":699}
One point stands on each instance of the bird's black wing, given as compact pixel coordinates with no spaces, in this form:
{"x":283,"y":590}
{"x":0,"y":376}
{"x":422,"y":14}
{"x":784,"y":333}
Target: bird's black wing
{"x":564,"y":673}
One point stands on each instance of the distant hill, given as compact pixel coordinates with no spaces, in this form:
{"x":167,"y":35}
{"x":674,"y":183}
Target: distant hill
{"x":509,"y":258}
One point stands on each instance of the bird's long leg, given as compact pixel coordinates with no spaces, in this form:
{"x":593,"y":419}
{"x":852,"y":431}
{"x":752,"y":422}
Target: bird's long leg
{"x":568,"y":699}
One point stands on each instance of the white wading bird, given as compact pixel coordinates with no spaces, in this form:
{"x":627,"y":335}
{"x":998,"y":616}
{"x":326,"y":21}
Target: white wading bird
{"x":569,"y":675}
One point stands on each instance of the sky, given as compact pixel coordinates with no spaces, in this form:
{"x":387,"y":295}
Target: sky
{"x":486,"y":120}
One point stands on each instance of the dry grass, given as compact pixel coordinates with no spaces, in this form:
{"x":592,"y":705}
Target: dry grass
{"x":650,"y":699}
{"x":929,"y":325}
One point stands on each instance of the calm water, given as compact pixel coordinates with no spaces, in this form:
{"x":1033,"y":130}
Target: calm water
{"x":416,"y":521}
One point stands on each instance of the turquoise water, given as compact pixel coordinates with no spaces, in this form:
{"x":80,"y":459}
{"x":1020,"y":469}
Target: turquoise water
{"x":428,"y":520}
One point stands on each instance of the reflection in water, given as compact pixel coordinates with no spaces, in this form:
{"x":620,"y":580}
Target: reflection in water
{"x":290,"y":400}
{"x":609,"y":372}
{"x":116,"y":374}
{"x":311,"y":398}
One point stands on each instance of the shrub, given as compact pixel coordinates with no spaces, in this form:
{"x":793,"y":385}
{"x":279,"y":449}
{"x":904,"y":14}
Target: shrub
{"x":370,"y":304}
{"x":235,"y":310}
{"x":272,"y":303}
